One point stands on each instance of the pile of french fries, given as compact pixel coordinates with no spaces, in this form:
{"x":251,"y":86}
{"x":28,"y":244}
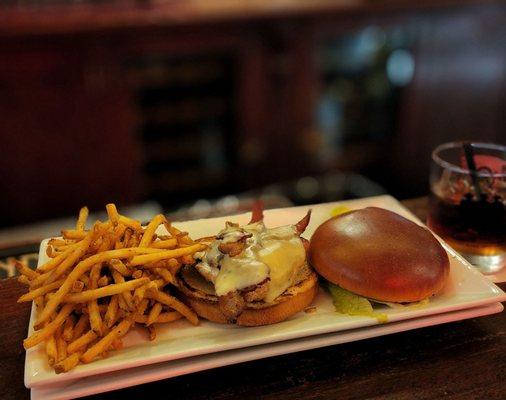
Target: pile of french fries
{"x":100,"y":282}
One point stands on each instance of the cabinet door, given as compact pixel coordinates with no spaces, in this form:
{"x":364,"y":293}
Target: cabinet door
{"x":65,"y":134}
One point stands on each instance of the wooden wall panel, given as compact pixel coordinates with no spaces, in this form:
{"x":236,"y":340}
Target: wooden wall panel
{"x":65,"y":135}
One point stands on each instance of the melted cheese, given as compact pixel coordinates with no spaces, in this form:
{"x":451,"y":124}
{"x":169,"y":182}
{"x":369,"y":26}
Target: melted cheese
{"x":274,"y":254}
{"x":283,"y":257}
{"x":239,"y":273}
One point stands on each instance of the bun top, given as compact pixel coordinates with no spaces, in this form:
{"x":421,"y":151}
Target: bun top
{"x":380,"y":255}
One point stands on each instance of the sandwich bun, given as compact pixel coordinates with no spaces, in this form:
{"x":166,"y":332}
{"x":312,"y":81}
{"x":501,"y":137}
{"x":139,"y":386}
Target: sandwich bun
{"x":379,"y":255}
{"x":198,"y":294}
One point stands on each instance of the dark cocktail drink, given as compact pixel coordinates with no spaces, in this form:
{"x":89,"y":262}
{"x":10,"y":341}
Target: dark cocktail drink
{"x":468,"y":206}
{"x":470,"y":226}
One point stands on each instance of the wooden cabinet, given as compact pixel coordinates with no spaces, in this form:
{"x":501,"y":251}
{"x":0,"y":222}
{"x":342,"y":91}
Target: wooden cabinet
{"x":75,"y":125}
{"x":65,"y":132}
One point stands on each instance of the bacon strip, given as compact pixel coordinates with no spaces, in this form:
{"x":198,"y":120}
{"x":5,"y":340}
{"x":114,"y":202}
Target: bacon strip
{"x":301,"y":226}
{"x":257,"y":213}
{"x":234,"y":248}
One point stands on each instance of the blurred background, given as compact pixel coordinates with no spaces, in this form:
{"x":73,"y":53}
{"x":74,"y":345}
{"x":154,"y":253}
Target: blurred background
{"x":195,"y":107}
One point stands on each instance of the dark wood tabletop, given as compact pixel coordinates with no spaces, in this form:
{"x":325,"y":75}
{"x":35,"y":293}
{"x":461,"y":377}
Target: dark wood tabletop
{"x":460,"y":360}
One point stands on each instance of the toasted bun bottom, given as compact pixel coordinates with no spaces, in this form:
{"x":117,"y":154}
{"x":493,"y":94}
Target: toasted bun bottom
{"x":294,"y":300}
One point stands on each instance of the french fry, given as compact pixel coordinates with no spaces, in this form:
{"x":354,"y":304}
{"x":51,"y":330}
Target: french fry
{"x":162,"y":318}
{"x":117,"y":344}
{"x":83,"y":310}
{"x":123,"y":305}
{"x":154,"y":313}
{"x":69,"y":363}
{"x":73,"y":234}
{"x":108,"y":290}
{"x":174,"y":303}
{"x":94,"y":275}
{"x":111,"y":314}
{"x":42,"y":334}
{"x":183,"y":239}
{"x":119,"y":231}
{"x":141,"y":308}
{"x":78,"y":252}
{"x":137,"y":274}
{"x":93,"y":309}
{"x":130,"y":223}
{"x":150,"y":230}
{"x":61,"y":346}
{"x":39,"y":303}
{"x":23,"y":279}
{"x":139,"y":294}
{"x":107,"y":242}
{"x":169,"y":263}
{"x":120,"y":267}
{"x":57,"y":242}
{"x":103,"y":344}
{"x":51,"y":252}
{"x":24,"y":270}
{"x":40,"y":291}
{"x":147,"y":250}
{"x":112,"y":212}
{"x":68,"y":328}
{"x":134,"y":240}
{"x":85,"y":279}
{"x":127,"y":296}
{"x":165,"y":275}
{"x":151,"y":332}
{"x":81,"y":342}
{"x":40,"y":280}
{"x":77,"y":287}
{"x":81,"y":325}
{"x":147,"y":258}
{"x":81,"y":220}
{"x":95,"y":317}
{"x":181,"y":236}
{"x":156,"y":284}
{"x":51,"y":350}
{"x":187,"y":259}
{"x":78,"y":271}
{"x":53,"y":263}
{"x":164,"y":244}
{"x":65,"y":247}
{"x":126,"y":237}
{"x":103,"y":281}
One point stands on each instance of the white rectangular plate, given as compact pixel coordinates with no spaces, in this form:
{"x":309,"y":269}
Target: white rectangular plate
{"x":466,"y":288}
{"x":155,"y":372}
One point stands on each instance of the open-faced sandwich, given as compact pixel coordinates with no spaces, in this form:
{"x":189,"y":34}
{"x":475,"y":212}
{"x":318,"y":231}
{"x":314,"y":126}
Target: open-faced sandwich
{"x":251,"y":275}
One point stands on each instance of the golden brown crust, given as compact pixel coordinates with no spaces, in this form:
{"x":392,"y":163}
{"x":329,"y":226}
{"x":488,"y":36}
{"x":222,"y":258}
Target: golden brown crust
{"x":292,"y":301}
{"x":381,"y":255}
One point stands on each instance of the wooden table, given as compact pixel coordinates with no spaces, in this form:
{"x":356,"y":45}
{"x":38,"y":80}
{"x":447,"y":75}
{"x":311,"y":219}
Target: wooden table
{"x":460,"y":360}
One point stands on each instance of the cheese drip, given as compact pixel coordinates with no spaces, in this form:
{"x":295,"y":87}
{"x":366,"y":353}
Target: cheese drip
{"x":274,"y":254}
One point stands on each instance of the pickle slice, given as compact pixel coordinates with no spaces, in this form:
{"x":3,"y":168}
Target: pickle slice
{"x":350,"y":303}
{"x":339,"y":210}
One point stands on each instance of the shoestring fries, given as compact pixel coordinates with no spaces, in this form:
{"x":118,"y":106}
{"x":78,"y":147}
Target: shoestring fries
{"x":99,"y":283}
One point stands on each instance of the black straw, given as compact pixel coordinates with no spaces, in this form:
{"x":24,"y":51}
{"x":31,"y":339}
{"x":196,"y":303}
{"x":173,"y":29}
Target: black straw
{"x":469,"y":152}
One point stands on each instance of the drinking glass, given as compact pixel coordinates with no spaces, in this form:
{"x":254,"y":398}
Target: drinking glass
{"x":467,"y":206}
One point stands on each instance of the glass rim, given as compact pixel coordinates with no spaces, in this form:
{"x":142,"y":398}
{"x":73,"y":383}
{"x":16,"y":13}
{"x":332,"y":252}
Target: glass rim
{"x":455,"y":168}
